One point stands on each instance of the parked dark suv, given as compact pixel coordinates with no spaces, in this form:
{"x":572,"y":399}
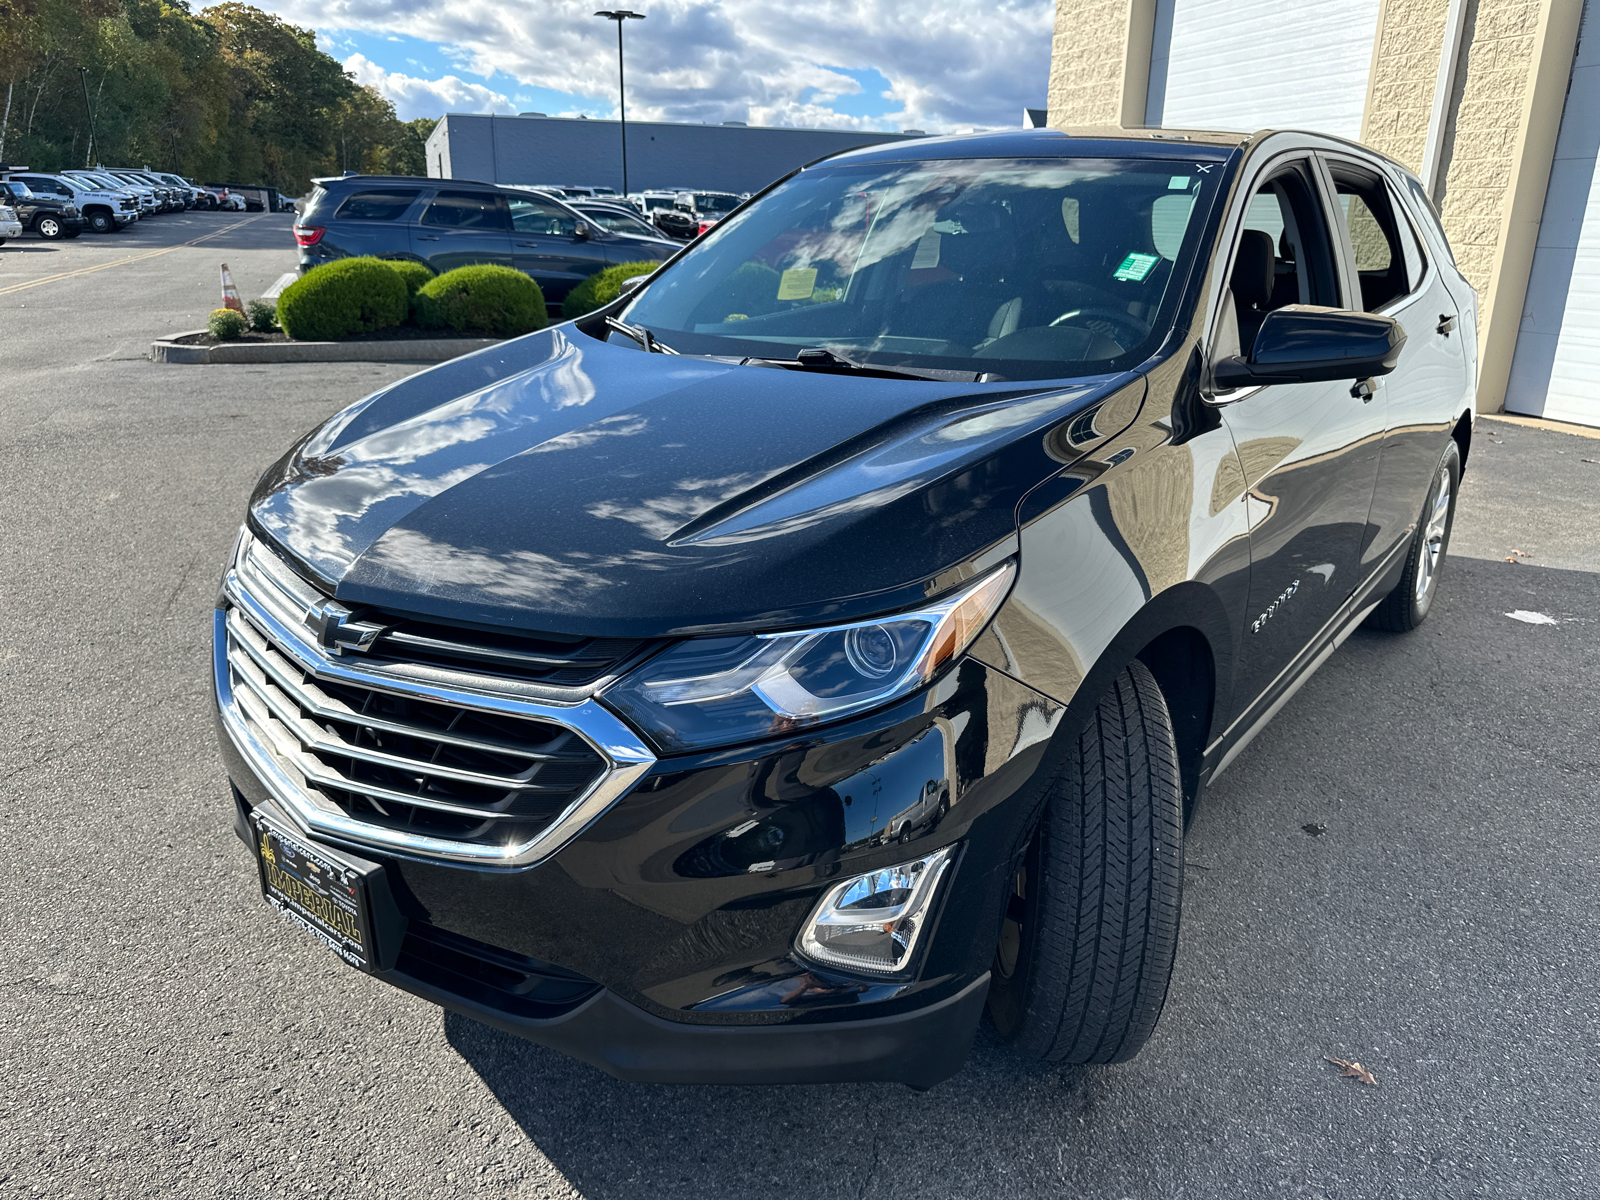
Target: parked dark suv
{"x":50,"y":216}
{"x":449,"y":223}
{"x":752,"y":680}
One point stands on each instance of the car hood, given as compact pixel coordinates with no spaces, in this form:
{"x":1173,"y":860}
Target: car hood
{"x":567,"y":485}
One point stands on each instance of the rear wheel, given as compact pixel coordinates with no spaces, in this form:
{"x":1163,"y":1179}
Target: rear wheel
{"x":1407,"y":606}
{"x":1091,"y":928}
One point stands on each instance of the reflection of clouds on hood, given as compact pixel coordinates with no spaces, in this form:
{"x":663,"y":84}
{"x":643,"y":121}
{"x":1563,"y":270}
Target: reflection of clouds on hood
{"x":622,"y":425}
{"x":316,"y":508}
{"x":661,"y":516}
{"x":406,"y":560}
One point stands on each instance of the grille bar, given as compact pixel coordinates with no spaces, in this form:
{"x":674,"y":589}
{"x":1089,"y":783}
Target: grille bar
{"x":313,"y":737}
{"x":414,"y":766}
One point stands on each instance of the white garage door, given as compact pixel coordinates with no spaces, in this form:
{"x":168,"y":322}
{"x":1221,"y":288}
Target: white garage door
{"x":1556,"y":371}
{"x":1259,"y":64}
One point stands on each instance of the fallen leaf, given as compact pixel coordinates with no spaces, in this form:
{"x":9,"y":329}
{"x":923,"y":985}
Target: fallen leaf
{"x":1596,"y":461}
{"x":1354,"y":1070}
{"x":1315,"y":829}
{"x":1521,"y":553}
{"x":1511,"y":558}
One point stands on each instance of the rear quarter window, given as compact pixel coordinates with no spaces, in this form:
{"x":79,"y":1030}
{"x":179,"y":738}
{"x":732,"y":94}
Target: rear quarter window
{"x":376,"y":206}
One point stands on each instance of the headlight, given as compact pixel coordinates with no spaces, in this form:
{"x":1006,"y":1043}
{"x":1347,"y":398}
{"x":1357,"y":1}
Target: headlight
{"x":873,"y":922}
{"x":716,"y":691}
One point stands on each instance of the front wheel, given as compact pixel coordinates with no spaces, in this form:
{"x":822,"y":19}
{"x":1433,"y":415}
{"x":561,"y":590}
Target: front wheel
{"x":1090,"y":931}
{"x":101,"y":222}
{"x":1407,"y":606}
{"x":49,"y":228}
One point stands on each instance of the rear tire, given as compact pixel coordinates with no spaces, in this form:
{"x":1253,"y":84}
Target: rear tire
{"x":1090,"y":933}
{"x":1407,"y":606}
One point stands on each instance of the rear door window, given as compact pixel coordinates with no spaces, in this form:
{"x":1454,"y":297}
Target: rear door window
{"x":539,"y":216}
{"x":376,"y":206}
{"x":468,"y":210}
{"x":1373,"y":236}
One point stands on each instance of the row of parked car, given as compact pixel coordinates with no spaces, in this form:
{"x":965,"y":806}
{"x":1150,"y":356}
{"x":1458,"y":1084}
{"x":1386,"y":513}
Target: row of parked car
{"x":680,"y":213}
{"x":447,"y":223}
{"x":63,"y":204}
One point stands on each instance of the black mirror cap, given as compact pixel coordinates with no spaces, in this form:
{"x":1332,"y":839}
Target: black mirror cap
{"x":1302,"y":343}
{"x":581,"y":232}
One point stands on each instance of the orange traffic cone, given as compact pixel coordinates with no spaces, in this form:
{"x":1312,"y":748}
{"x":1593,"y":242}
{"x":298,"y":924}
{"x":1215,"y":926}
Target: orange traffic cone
{"x":230,"y":294}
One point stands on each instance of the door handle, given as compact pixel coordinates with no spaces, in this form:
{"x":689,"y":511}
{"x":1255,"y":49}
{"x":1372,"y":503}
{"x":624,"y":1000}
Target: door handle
{"x":1446,"y":324}
{"x":1364,"y":390}
{"x":427,"y":237}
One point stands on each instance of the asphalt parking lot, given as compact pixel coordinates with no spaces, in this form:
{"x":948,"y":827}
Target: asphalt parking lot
{"x":162,"y":1033}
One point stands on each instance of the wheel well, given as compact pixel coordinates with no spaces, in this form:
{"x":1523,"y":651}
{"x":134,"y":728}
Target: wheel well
{"x":1181,"y":661}
{"x":1463,"y":436}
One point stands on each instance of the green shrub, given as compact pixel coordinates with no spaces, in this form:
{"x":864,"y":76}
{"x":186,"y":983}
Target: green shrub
{"x":263,"y":315}
{"x":482,"y":299}
{"x":225,"y":324}
{"x":414,"y":273}
{"x":342,"y":298}
{"x":601,"y":288}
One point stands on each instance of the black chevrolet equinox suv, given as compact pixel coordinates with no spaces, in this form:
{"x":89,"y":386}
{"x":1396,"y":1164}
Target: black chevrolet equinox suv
{"x":755,"y":680}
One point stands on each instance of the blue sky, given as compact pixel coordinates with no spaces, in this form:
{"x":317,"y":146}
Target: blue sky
{"x":936,"y":65}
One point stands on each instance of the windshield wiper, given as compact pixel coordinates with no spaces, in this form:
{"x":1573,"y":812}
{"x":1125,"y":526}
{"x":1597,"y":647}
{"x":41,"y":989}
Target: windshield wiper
{"x":641,"y":335}
{"x":815,"y":358}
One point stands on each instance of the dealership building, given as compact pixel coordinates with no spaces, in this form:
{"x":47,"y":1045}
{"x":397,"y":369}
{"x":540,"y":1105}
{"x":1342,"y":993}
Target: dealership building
{"x":1494,"y":103}
{"x":533,"y":148}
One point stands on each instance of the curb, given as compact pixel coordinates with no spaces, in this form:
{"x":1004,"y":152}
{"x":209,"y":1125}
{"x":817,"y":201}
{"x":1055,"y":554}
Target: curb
{"x":167,"y":350}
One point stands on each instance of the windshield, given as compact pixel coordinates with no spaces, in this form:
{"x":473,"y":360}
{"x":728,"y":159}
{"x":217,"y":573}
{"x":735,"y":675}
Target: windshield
{"x":715,"y":203}
{"x":1018,"y":269}
{"x":620,"y":222}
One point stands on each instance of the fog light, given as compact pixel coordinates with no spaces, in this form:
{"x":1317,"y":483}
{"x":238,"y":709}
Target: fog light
{"x":873,"y":922}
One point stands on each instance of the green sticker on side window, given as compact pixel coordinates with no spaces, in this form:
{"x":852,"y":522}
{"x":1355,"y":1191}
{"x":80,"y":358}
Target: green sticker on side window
{"x":1136,"y":266}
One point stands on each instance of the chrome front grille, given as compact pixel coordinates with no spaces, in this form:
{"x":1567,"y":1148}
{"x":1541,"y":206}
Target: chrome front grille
{"x":433,"y":762}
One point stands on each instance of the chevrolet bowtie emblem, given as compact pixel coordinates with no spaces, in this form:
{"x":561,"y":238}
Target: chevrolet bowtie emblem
{"x":337,"y":632}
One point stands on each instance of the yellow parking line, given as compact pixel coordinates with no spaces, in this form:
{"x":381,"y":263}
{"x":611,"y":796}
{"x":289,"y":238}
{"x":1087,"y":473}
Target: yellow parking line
{"x":132,"y":258}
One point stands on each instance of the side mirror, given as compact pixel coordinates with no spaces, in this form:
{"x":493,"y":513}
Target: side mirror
{"x":633,"y":283}
{"x":581,"y":231}
{"x":1301,"y":343}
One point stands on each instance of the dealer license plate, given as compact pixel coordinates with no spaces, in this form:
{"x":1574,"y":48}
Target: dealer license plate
{"x":316,"y":890}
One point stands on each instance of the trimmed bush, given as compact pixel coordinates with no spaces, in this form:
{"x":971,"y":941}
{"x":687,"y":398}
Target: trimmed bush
{"x":601,"y":288}
{"x":263,"y":315}
{"x":414,"y":273}
{"x":225,"y":324}
{"x":342,"y":298}
{"x":482,"y":299}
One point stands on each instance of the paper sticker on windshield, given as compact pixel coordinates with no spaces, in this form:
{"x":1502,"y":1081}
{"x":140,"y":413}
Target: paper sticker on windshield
{"x":797,"y":283}
{"x":1178,"y":183}
{"x":927,"y":254}
{"x":1136,"y":266}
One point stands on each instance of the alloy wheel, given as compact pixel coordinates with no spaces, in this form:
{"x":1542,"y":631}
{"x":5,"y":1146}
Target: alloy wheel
{"x":49,"y":228}
{"x":1432,"y":548}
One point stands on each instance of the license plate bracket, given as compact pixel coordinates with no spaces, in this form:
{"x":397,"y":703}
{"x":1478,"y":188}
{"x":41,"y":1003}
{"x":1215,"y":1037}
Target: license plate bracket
{"x":341,"y":900}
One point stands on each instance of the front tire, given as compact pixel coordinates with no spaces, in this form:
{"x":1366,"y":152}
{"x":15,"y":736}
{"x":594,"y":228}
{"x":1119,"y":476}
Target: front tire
{"x":1090,"y":932}
{"x":101,"y":222}
{"x":1407,"y":606}
{"x":49,"y":228}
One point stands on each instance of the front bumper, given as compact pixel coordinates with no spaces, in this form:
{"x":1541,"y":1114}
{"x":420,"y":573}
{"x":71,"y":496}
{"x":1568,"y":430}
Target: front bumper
{"x":10,"y":229}
{"x":646,"y":948}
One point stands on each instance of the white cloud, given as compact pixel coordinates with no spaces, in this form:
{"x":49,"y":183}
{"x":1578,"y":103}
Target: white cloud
{"x":951,"y":64}
{"x":413,"y":97}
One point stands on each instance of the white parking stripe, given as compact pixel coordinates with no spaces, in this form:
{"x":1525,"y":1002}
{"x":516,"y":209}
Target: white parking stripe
{"x":283,"y":281}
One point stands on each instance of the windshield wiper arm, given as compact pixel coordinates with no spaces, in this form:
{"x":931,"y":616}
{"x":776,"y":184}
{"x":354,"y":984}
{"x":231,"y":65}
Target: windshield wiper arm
{"x":815,"y":358}
{"x":641,"y":335}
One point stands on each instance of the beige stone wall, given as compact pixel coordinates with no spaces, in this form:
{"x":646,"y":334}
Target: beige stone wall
{"x":1405,"y":64}
{"x":1488,"y":119}
{"x":1087,"y":56}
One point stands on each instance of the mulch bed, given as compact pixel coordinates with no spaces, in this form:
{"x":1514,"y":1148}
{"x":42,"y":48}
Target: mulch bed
{"x":395,"y":333}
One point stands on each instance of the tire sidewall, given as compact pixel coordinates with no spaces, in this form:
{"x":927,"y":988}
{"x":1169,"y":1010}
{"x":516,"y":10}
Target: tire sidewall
{"x":101,"y":222}
{"x":49,"y":228}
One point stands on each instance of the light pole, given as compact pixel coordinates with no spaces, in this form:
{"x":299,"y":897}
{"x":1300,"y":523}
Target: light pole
{"x":619,"y":16}
{"x":83,"y":77}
